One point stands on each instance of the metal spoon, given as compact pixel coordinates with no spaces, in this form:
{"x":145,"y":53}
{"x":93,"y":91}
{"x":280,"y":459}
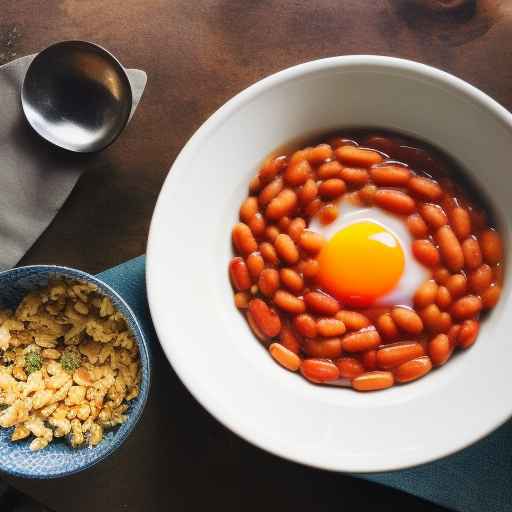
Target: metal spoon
{"x":77,"y":96}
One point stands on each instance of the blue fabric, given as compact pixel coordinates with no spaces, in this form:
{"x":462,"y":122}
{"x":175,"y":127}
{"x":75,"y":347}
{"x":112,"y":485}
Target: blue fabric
{"x":478,"y":479}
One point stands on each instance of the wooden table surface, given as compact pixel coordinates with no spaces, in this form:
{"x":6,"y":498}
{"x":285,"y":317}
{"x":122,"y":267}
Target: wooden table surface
{"x":197,"y":55}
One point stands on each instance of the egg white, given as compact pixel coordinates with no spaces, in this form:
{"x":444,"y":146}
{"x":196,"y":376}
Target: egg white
{"x":414,"y":273}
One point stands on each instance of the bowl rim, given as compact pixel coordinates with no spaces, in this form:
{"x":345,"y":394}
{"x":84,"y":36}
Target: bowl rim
{"x":222,"y":114}
{"x":145,"y":358}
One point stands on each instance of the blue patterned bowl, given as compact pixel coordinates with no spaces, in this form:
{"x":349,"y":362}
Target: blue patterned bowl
{"x":58,"y":459}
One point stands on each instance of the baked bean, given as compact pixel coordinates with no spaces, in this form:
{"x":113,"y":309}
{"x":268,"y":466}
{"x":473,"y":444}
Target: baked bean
{"x":367,"y":194}
{"x":353,"y":320}
{"x":407,"y":320}
{"x":325,"y":349}
{"x":417,"y":226}
{"x":492,"y":246}
{"x":291,"y":279}
{"x":283,"y":204}
{"x":257,"y":225}
{"x":270,"y":191}
{"x":310,"y":268}
{"x":268,"y":281}
{"x":313,"y":207}
{"x":460,"y":222}
{"x":394,"y":201}
{"x":373,"y":381}
{"x":349,"y":367}
{"x":285,"y":357}
{"x":271,"y":233}
{"x":431,"y":316}
{"x":390,"y":175}
{"x":265,"y":318}
{"x":328,"y":213}
{"x":439,"y":349}
{"x":369,"y":359}
{"x":444,"y":322}
{"x":284,"y":224}
{"x":457,"y":285}
{"x":255,"y":264}
{"x":311,"y":241}
{"x":242,"y":300}
{"x":289,"y":340}
{"x":297,"y":173}
{"x":412,"y":370}
{"x":330,"y":327}
{"x":269,"y":253}
{"x":468,"y":333}
{"x":329,"y":170}
{"x":426,"y":252}
{"x":360,"y":341}
{"x":300,"y":154}
{"x":491,"y":296}
{"x":305,"y":325}
{"x":239,"y":274}
{"x":254,"y":185}
{"x":248,"y":209}
{"x":472,"y":253}
{"x":357,"y":157}
{"x":384,"y":144}
{"x":450,"y":248}
{"x":425,"y":188}
{"x":480,"y":279}
{"x":296,"y":228}
{"x":320,"y":153}
{"x":318,"y":370}
{"x":289,"y":303}
{"x":441,"y":275}
{"x":467,"y":307}
{"x":332,"y":188}
{"x":355,"y":176}
{"x":321,"y":303}
{"x":443,"y":298}
{"x":387,"y":327}
{"x":426,"y":294}
{"x":453,"y":334}
{"x":271,"y":168}
{"x":308,"y":192}
{"x":286,"y":249}
{"x":255,"y":329}
{"x":389,"y":356}
{"x":243,"y":239}
{"x":433,"y":215}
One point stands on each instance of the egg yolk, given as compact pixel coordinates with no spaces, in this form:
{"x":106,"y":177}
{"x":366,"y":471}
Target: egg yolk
{"x":360,"y":263}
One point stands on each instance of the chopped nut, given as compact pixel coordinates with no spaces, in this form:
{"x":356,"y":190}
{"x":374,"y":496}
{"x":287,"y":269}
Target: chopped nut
{"x":82,"y":377}
{"x":75,"y":395}
{"x":20,"y":432}
{"x":50,"y":353}
{"x":91,"y":349}
{"x":81,"y":308}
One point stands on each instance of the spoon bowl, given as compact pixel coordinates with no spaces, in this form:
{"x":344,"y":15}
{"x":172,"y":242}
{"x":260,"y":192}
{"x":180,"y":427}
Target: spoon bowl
{"x":77,"y":96}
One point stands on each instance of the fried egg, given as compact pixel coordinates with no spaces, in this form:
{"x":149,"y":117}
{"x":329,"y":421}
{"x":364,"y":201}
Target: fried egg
{"x":367,"y":260}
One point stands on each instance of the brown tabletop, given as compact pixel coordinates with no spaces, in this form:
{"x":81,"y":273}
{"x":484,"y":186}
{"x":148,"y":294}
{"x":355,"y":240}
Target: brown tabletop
{"x":197,"y":55}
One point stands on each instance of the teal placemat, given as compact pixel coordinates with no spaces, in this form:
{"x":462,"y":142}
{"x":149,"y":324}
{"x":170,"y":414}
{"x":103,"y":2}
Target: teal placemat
{"x":478,"y":479}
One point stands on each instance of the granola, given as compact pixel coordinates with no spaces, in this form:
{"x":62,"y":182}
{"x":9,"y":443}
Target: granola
{"x":69,"y":365}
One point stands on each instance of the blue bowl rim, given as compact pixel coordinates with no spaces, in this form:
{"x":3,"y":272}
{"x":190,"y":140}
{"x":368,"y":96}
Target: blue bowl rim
{"x":145,"y":359}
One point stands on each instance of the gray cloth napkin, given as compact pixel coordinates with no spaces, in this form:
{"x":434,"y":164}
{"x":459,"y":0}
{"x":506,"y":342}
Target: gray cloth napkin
{"x":35,"y":176}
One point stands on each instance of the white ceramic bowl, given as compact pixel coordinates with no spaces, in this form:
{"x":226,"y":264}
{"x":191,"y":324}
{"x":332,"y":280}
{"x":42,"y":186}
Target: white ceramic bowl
{"x":208,"y":342}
